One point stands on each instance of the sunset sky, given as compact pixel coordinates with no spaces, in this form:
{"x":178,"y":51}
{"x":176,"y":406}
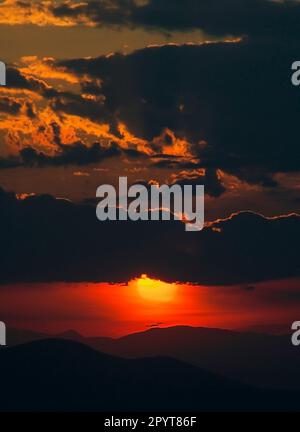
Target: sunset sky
{"x":167,"y":91}
{"x":119,"y":309}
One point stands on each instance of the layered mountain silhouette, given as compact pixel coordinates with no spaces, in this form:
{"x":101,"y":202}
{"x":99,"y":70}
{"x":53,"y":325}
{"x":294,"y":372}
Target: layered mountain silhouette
{"x":261,"y":360}
{"x":257,"y":359}
{"x":63,"y":375}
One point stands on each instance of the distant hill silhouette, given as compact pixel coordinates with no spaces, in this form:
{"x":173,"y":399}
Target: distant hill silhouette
{"x":21,"y":336}
{"x":62,"y":375}
{"x":256,"y":359}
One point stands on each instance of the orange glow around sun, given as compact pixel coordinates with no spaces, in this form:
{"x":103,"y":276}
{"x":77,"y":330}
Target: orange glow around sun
{"x":155,"y":290}
{"x":117,"y":310}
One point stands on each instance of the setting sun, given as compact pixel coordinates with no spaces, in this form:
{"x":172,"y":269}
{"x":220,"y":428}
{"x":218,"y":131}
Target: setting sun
{"x":155,"y":290}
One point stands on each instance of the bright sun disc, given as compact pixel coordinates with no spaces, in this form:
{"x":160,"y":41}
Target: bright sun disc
{"x":155,"y":290}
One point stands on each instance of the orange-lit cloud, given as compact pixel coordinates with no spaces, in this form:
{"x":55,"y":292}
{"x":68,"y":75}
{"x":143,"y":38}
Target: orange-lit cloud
{"x":128,"y":138}
{"x":173,"y":146}
{"x":14,"y":12}
{"x":21,"y":131}
{"x":44,"y":68}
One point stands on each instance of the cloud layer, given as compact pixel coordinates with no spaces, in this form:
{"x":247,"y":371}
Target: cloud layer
{"x":233,"y":103}
{"x":219,"y":106}
{"x":254,"y":18}
{"x":45,"y":239}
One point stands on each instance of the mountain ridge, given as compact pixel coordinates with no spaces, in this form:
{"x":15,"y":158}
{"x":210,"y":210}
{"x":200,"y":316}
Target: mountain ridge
{"x":252,"y":358}
{"x":64,"y":375}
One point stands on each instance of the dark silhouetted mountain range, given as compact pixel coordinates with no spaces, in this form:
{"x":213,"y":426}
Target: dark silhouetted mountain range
{"x":261,"y":360}
{"x":63,"y":375}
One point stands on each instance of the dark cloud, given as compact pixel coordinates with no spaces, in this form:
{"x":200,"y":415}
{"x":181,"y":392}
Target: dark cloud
{"x":255,"y":18}
{"x":9,"y":105}
{"x":210,"y":180}
{"x":60,"y":101}
{"x":15,"y":79}
{"x":233,"y":102}
{"x":74,"y":154}
{"x":73,"y":104}
{"x":134,"y":154}
{"x":155,"y":325}
{"x":249,"y":288}
{"x":46,"y":239}
{"x":12,"y":106}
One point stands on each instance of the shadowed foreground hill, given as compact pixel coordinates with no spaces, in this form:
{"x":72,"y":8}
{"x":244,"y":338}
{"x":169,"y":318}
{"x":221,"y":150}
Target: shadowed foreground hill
{"x":63,"y":375}
{"x":259,"y":360}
